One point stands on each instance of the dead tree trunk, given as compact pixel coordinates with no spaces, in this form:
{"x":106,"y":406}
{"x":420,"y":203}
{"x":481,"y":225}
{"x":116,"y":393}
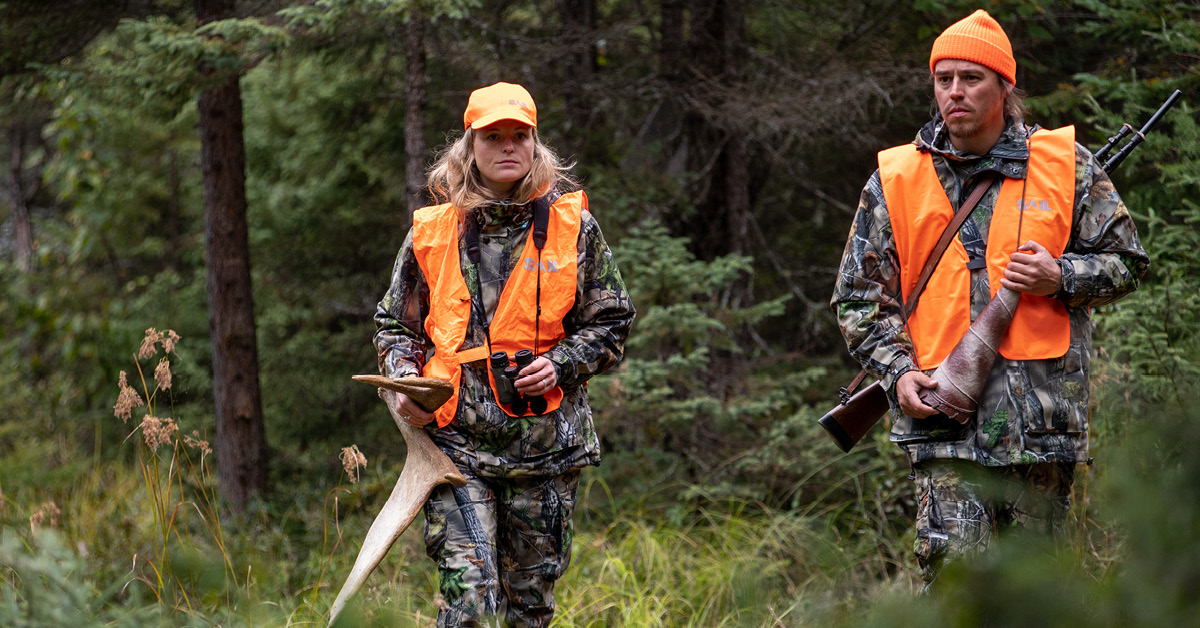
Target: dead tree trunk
{"x":414,"y":115}
{"x":240,"y":434}
{"x":22,"y":195}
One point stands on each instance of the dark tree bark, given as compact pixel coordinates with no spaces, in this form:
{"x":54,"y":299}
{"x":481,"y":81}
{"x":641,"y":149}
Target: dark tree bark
{"x":735,"y":187}
{"x":714,"y":137}
{"x":736,"y":181}
{"x":579,"y":64}
{"x":414,"y":114}
{"x":22,"y":195}
{"x":240,"y":434}
{"x":672,"y":61}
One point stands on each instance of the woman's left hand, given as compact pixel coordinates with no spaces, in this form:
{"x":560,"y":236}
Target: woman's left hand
{"x":537,"y":378}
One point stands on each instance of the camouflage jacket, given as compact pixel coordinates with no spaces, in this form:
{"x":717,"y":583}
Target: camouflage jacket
{"x":482,"y":437}
{"x":1030,"y":411}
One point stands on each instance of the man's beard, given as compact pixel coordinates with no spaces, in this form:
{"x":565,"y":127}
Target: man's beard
{"x":965,"y":128}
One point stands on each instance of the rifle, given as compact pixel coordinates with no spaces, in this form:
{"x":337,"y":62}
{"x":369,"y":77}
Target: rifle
{"x":859,"y":410}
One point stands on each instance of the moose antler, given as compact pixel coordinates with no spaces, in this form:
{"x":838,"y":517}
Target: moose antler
{"x":425,"y":468}
{"x":963,"y":374}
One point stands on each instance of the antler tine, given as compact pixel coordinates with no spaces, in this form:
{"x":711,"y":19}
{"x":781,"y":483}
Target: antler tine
{"x":425,"y":468}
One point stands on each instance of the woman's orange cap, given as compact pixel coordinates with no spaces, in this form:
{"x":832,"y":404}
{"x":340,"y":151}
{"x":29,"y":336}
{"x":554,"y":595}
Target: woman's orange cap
{"x":977,"y":38}
{"x":502,"y":101}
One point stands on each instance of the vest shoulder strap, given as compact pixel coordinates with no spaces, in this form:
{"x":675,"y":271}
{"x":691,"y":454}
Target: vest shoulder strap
{"x":541,"y":220}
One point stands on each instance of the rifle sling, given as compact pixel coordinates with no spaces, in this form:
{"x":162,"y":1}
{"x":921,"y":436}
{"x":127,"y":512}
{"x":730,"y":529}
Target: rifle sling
{"x":931,"y":263}
{"x":943,"y":243}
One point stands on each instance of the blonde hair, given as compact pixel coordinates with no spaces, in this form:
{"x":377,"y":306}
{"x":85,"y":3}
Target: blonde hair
{"x":455,"y":179}
{"x":1014,"y":102}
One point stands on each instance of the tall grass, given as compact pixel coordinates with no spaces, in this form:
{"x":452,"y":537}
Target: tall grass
{"x":730,"y":564}
{"x":720,"y":564}
{"x":127,"y":542}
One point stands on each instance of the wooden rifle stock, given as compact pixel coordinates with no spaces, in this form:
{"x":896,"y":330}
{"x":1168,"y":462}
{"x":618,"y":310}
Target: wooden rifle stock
{"x":855,"y":416}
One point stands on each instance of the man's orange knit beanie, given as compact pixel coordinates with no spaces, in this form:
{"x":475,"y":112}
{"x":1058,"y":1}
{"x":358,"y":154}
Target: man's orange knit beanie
{"x":979,"y":38}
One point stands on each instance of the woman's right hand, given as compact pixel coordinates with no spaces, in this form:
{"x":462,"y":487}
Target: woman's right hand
{"x":410,"y":412}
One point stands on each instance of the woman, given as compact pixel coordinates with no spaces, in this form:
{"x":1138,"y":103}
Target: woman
{"x":512,"y":260}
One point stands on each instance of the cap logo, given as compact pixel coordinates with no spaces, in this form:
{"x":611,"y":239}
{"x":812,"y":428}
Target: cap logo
{"x":501,"y":101}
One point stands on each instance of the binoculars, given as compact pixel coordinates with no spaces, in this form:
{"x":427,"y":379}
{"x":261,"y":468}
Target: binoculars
{"x":505,"y":373}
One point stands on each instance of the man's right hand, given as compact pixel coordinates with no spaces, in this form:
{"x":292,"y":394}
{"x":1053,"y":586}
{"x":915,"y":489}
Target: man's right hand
{"x":411,"y":412}
{"x":908,"y":390}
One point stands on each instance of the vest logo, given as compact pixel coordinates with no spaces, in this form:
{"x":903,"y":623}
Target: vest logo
{"x":1043,"y":205}
{"x":548,"y":266}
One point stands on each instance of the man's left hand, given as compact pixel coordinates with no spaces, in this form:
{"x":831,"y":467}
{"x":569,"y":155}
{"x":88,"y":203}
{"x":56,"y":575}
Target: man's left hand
{"x":1032,"y":270}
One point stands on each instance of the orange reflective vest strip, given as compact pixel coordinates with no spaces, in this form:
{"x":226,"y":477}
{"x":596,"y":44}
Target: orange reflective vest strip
{"x":436,"y":247}
{"x":919,"y":212}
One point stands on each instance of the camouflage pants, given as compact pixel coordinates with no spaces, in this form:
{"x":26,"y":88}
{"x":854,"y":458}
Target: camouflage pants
{"x":962,"y":507}
{"x":500,"y":545}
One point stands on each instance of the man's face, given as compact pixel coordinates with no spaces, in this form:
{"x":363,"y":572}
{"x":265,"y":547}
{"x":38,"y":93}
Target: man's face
{"x":971,"y":99}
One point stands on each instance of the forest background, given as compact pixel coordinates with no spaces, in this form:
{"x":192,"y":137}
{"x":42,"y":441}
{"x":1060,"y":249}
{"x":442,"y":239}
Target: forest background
{"x":723,"y":146}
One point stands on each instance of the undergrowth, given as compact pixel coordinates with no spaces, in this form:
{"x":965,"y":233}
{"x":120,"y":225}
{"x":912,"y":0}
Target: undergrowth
{"x":140,"y":540}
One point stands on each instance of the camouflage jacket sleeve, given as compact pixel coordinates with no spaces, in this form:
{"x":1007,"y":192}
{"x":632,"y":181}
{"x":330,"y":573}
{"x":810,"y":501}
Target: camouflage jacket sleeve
{"x":603,"y":314}
{"x":866,"y":295}
{"x":400,"y":340}
{"x":1104,"y":259}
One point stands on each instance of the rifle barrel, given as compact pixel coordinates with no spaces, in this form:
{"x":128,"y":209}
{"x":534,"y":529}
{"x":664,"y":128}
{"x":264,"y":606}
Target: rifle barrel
{"x":1113,"y":141}
{"x":1116,"y":160}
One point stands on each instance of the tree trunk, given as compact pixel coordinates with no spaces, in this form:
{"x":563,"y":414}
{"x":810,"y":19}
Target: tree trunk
{"x":737,"y":171}
{"x":718,"y":155}
{"x":736,"y":186}
{"x":240,"y":434}
{"x":672,"y":61}
{"x":21,"y":197}
{"x":414,"y":115}
{"x":578,"y":36}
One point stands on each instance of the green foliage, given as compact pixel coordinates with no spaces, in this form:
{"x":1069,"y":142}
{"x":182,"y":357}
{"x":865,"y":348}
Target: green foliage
{"x":669,"y":393}
{"x":124,"y":248}
{"x":720,"y":502}
{"x":1150,"y":348}
{"x":1148,"y":494}
{"x":1152,"y":342}
{"x":326,"y":205}
{"x":44,"y":582}
{"x":325,"y":16}
{"x":175,"y":60}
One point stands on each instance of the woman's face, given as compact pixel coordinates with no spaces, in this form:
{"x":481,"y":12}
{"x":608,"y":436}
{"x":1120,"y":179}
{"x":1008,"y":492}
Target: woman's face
{"x":503,"y":154}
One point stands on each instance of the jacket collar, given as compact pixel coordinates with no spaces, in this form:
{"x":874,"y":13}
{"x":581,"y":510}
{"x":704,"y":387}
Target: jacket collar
{"x":508,"y":214}
{"x":1008,"y":156}
{"x":501,"y":213}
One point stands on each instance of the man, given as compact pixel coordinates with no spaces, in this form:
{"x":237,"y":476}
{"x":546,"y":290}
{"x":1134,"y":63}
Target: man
{"x":1052,"y":228}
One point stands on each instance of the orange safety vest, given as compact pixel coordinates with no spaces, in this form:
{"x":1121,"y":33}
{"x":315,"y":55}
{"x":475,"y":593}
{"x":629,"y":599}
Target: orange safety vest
{"x":919,"y":212}
{"x":435,"y":244}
